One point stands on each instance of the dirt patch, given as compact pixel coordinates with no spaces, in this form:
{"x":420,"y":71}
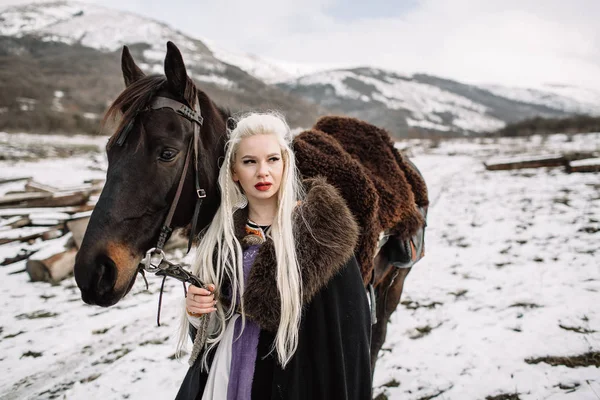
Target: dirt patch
{"x":591,"y":359}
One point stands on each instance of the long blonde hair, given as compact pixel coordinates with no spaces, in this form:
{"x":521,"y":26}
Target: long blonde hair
{"x":219,"y":243}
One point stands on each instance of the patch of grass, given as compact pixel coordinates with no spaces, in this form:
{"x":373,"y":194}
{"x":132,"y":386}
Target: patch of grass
{"x":392,"y":383}
{"x":415,"y":305}
{"x":100,"y":331}
{"x":36,"y":315}
{"x":33,"y":354}
{"x":439,"y":393}
{"x":174,"y":355}
{"x":591,"y":359}
{"x":459,"y":293}
{"x":155,"y":341}
{"x":577,"y":329}
{"x":90,"y":378}
{"x":526,"y":305}
{"x":381,"y":396}
{"x":14,"y":335}
{"x":568,"y":387}
{"x":423,"y":331}
{"x":504,"y":396}
{"x":113,"y":356}
{"x":47,"y":296}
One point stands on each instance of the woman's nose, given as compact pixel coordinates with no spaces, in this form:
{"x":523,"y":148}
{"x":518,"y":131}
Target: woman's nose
{"x":263,"y":169}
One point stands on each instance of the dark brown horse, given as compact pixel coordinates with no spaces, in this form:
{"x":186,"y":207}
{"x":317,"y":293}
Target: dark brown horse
{"x":143,"y":178}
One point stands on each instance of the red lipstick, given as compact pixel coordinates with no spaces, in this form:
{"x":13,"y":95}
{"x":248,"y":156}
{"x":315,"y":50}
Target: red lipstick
{"x":263,"y":186}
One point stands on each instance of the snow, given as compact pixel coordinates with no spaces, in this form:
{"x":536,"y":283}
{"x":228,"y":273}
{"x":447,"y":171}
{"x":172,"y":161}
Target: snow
{"x":510,"y":256}
{"x":585,"y":162}
{"x":100,"y":28}
{"x":523,"y":158}
{"x":569,"y":98}
{"x":425,"y":102}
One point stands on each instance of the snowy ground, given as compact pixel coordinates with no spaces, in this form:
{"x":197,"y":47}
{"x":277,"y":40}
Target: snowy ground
{"x":512,"y":272}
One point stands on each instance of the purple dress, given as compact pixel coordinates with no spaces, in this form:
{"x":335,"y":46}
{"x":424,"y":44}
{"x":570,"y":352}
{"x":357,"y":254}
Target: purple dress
{"x":244,"y":347}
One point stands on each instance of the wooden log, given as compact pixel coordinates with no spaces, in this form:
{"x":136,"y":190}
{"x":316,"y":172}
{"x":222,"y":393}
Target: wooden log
{"x":15,"y":222}
{"x":23,"y":254}
{"x":33,"y":186}
{"x":53,"y":262}
{"x":17,"y":198}
{"x":21,"y":234}
{"x":8,"y":180}
{"x":52,"y":269}
{"x":525,"y":162}
{"x":53,"y":233}
{"x":11,"y":212}
{"x":48,"y":200}
{"x":585,"y":165}
{"x":77,"y":228}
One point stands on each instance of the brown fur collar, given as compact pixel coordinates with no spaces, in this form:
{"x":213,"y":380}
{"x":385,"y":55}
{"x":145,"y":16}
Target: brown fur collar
{"x":321,"y":252}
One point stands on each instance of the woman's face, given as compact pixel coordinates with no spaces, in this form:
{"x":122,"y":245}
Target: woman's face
{"x":258,"y":167}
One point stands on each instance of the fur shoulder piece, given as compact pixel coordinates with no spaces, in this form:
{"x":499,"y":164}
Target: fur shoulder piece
{"x":326,"y":235}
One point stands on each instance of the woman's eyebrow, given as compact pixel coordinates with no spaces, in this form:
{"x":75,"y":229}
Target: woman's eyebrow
{"x":268,"y":155}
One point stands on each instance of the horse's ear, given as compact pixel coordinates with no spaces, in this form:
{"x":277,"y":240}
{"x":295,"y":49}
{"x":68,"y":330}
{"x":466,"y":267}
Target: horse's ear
{"x":175,"y":69}
{"x":131,"y":72}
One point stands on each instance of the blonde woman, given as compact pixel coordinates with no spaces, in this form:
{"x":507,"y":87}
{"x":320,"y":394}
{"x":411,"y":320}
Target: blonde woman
{"x":289,"y":316}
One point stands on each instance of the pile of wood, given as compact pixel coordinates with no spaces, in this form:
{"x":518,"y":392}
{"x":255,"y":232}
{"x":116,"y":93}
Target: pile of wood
{"x":549,"y":160}
{"x":46,"y":225}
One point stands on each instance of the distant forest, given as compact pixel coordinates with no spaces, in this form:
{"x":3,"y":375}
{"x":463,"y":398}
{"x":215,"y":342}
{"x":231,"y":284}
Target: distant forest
{"x":545,"y":126}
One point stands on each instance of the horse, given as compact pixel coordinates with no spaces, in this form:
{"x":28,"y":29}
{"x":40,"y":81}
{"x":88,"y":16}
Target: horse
{"x":163,"y":162}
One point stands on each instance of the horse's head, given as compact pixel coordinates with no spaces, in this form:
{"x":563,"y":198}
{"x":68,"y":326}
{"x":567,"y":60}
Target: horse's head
{"x":146,"y":158}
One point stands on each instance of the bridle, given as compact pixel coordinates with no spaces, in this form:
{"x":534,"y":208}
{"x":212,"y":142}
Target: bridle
{"x":155,"y":259}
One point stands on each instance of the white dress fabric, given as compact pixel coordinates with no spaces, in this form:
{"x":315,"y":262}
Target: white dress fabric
{"x":218,"y":376}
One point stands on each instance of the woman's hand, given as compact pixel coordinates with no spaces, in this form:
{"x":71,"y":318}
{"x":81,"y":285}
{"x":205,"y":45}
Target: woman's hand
{"x":200,"y":301}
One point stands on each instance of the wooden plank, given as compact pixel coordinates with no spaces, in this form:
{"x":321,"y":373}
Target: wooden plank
{"x":49,"y":200}
{"x":17,"y":221}
{"x":23,"y":234}
{"x":16,"y":198}
{"x":585,"y":165}
{"x":23,"y":254}
{"x":33,"y":186}
{"x":77,"y":228}
{"x":525,"y":162}
{"x":8,"y":180}
{"x":11,"y":212}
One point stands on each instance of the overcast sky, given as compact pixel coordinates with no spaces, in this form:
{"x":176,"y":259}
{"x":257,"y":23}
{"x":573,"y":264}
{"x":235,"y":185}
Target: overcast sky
{"x":511,"y":42}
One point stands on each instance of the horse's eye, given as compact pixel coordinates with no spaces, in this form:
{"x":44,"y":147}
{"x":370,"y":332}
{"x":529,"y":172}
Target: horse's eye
{"x":168,"y":154}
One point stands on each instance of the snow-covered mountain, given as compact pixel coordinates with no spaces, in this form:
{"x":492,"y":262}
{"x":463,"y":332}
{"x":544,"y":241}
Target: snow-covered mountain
{"x":397,"y":102}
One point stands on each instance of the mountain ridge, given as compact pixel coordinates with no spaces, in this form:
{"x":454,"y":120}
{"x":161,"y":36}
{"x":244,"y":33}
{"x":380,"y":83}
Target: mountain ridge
{"x":403,"y":104}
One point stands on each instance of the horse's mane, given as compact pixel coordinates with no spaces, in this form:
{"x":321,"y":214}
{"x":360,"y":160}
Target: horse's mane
{"x":135,"y":98}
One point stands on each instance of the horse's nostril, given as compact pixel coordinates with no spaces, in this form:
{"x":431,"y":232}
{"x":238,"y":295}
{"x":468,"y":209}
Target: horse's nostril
{"x":107,"y":275}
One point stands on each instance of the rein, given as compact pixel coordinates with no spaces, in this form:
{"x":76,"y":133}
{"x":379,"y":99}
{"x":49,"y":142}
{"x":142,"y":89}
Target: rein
{"x":155,"y":259}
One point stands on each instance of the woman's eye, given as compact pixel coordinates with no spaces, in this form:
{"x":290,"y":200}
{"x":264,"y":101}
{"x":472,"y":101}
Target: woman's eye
{"x":168,"y":155}
{"x":248,"y":161}
{"x":274,"y":159}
